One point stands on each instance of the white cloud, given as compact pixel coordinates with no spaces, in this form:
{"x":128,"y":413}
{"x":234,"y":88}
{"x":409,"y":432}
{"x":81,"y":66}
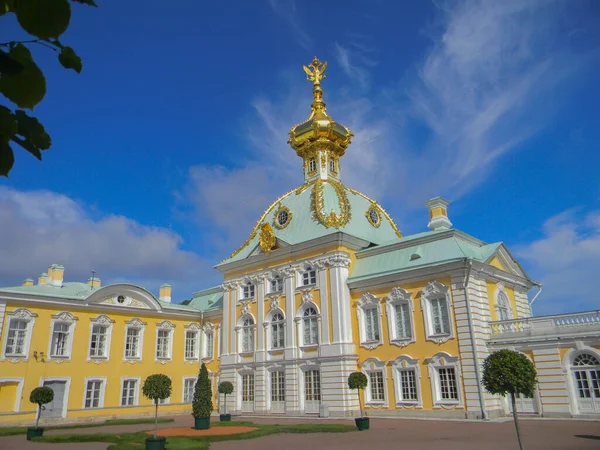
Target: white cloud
{"x":566,"y":260}
{"x":42,"y":227}
{"x":286,"y":9}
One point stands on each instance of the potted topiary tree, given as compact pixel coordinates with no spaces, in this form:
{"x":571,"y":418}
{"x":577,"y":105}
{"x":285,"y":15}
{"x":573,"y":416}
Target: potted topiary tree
{"x":202,"y":405}
{"x":225,"y":388}
{"x":358,"y":381}
{"x":509,"y":372}
{"x":156,"y":387}
{"x":40,"y":396}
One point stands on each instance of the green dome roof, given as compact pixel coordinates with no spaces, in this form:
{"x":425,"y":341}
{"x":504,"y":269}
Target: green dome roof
{"x":320,"y":208}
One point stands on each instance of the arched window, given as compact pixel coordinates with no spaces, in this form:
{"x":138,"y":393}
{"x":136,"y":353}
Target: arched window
{"x":277,"y":331}
{"x":248,"y":335}
{"x":311,"y":326}
{"x":586,"y":375}
{"x":503,"y":307}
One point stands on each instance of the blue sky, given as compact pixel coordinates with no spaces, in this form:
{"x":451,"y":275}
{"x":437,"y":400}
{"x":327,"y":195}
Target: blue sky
{"x":172,"y":141}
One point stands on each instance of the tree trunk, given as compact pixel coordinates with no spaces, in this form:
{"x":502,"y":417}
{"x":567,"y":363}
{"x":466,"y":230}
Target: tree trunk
{"x":225,"y":412}
{"x":360,"y":403}
{"x":37,"y":419}
{"x":156,"y":419}
{"x":514,"y":408}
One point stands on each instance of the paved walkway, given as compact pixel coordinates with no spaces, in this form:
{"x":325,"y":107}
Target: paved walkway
{"x":384,"y":433}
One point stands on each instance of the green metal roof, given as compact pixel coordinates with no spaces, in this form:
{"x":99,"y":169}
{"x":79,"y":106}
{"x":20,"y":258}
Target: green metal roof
{"x":207,"y":300}
{"x":71,"y":290}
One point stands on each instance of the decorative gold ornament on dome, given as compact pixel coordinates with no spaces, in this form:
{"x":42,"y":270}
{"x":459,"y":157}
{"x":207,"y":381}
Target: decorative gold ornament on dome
{"x":267,"y":238}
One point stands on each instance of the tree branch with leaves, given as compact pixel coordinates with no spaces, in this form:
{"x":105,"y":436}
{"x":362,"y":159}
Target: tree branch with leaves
{"x":22,"y":82}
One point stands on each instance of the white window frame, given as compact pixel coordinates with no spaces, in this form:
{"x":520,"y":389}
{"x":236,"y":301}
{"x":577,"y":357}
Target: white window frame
{"x":136,"y":395}
{"x":242,"y":374}
{"x":63,"y":318}
{"x":278,"y":279}
{"x":366,"y":302}
{"x":168,"y":327}
{"x":401,"y":363}
{"x":240,"y":329}
{"x":502,"y":297}
{"x":183,"y":381}
{"x":191,"y":328}
{"x":399,"y":296}
{"x":303,"y":382}
{"x":137,"y":324}
{"x":208,"y":329}
{"x":306,"y":270}
{"x":102,"y":392}
{"x":25,"y":315}
{"x":443,"y":360}
{"x":269,"y":324}
{"x":301,"y":324}
{"x":312,"y":164}
{"x":247,"y":291}
{"x":373,"y":365}
{"x":433,"y":291}
{"x":101,"y":321}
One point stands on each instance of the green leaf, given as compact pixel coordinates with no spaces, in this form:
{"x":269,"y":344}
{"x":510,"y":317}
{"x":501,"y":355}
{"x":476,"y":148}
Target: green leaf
{"x":7,"y":159}
{"x":8,"y":65}
{"x":8,"y":124}
{"x":28,"y":87}
{"x":35,"y":139}
{"x":69,"y":59}
{"x":87,"y":2}
{"x":44,"y":18}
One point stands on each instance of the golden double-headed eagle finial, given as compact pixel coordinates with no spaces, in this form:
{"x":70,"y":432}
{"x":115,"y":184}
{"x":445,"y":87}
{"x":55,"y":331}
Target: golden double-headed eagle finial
{"x":318,"y":71}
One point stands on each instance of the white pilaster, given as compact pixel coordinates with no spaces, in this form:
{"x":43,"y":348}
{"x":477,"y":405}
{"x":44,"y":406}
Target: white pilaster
{"x":323,"y":288}
{"x":260,"y":349}
{"x":290,"y":312}
{"x":340,"y":300}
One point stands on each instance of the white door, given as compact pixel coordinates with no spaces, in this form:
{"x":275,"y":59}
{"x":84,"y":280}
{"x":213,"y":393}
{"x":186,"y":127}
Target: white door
{"x":312,"y":391}
{"x":278,"y":392}
{"x":524,"y":405}
{"x":248,"y":392}
{"x":586,"y":377}
{"x":55,"y":407}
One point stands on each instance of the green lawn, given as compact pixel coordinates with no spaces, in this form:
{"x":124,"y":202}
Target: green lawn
{"x":131,"y":441}
{"x":11,"y":431}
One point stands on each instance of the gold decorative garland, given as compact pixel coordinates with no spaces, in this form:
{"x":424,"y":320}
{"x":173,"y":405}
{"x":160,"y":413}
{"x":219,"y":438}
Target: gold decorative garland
{"x":317,"y":204}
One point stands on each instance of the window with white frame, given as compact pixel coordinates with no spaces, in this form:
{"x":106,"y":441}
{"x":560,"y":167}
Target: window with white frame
{"x":248,"y":290}
{"x":129,"y":393}
{"x":312,"y":164}
{"x":16,"y":338}
{"x":375,"y":370}
{"x":309,"y":277}
{"x":164,"y":340}
{"x":310,"y":326}
{"x":444,"y":374}
{"x":376,"y":386}
{"x":276,"y":284}
{"x":94,"y":393}
{"x":191,"y":344}
{"x":209,"y":343}
{"x":405,"y":373}
{"x":503,"y":306}
{"x":400,"y":317}
{"x":278,"y":386}
{"x":312,"y":386}
{"x":61,"y":338}
{"x":435,"y":302}
{"x":369,"y":320}
{"x":247,"y":334}
{"x":134,"y":339}
{"x":100,"y":334}
{"x":277,"y":331}
{"x":332,"y":165}
{"x":247,"y":388}
{"x":189,"y":384}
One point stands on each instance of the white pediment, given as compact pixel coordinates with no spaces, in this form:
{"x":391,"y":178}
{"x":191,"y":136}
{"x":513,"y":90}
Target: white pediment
{"x":124,"y":296}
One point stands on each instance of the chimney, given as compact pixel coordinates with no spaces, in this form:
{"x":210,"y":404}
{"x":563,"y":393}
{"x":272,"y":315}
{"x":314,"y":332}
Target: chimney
{"x":165,"y":293}
{"x":43,"y":278}
{"x":55,"y":273}
{"x":94,"y":282}
{"x":438,"y":214}
{"x":27,"y":282}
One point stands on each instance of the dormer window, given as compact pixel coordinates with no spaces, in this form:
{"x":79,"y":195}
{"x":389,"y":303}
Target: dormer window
{"x":248,"y":291}
{"x":312,"y":165}
{"x":309,"y":277}
{"x":276,"y":284}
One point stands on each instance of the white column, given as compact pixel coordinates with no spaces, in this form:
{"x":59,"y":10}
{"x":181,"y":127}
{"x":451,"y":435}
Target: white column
{"x":226,"y":319}
{"x":260,"y":319}
{"x":340,"y":300}
{"x":323,"y":288}
{"x":233,"y":299}
{"x":290,"y":312}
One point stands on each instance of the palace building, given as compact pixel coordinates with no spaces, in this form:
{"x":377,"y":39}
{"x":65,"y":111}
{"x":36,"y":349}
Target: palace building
{"x":325,"y":285}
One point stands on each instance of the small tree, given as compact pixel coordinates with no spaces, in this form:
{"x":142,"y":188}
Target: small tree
{"x":509,"y":372}
{"x":41,"y":396}
{"x":225,"y":388}
{"x":358,"y":381}
{"x":202,"y":405}
{"x":157,"y":387}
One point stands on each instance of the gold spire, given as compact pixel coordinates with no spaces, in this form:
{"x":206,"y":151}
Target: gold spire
{"x":316,"y":75}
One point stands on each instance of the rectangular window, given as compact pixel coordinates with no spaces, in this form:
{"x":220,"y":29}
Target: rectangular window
{"x":191,"y":338}
{"x":15,"y":340}
{"x":162,"y":344}
{"x":60,"y":339}
{"x":128,"y":395}
{"x":371,"y":324}
{"x":132,"y":343}
{"x":278,"y":386}
{"x":402,"y":314}
{"x":248,"y":387}
{"x":312,"y":385}
{"x":311,"y":331}
{"x":448,"y":387}
{"x":408,"y":385}
{"x":376,"y":386}
{"x":439,"y":316}
{"x":92,"y":393}
{"x":98,"y":342}
{"x":249,"y":291}
{"x":210,"y":344}
{"x":276,"y":285}
{"x":188,"y":390}
{"x":277,"y":335}
{"x":309,"y":277}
